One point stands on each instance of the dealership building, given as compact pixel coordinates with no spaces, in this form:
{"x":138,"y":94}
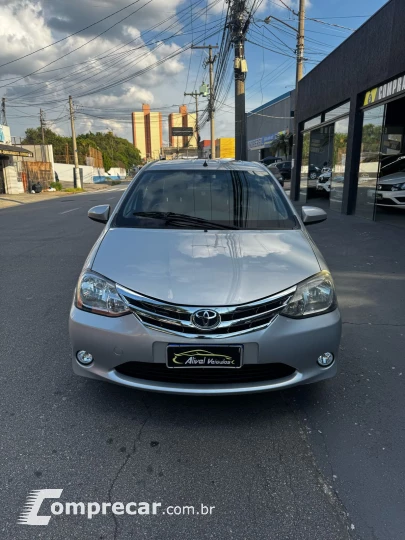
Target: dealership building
{"x":265,"y":123}
{"x":351,"y":123}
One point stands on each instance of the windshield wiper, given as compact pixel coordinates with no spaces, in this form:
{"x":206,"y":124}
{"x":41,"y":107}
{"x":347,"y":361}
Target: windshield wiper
{"x":184,"y":219}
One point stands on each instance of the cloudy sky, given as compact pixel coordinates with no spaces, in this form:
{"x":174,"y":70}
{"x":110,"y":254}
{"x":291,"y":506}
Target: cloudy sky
{"x":114,"y":56}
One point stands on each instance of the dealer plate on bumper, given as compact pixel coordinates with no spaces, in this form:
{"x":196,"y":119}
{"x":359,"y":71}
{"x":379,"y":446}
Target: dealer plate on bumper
{"x":213,"y":356}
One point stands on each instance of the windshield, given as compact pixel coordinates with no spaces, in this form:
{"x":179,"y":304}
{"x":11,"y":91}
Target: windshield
{"x":392,"y":164}
{"x":237,"y":199}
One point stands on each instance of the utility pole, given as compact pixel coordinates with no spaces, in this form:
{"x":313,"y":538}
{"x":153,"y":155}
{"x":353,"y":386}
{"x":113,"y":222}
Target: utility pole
{"x":211,"y":106}
{"x":300,"y":43}
{"x":197,"y":134}
{"x":42,"y":122}
{"x":239,"y":24}
{"x":298,"y":76}
{"x":3,"y":112}
{"x":77,"y":180}
{"x":295,"y":177}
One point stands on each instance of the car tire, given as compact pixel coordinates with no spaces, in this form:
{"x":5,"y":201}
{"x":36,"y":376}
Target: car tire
{"x":312,"y":176}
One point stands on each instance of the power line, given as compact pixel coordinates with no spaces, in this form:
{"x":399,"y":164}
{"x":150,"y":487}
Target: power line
{"x":101,"y":69}
{"x":98,"y":88}
{"x":70,"y":35}
{"x":83,"y":45}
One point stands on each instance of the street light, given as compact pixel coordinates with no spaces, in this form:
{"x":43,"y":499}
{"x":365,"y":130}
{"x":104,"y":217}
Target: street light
{"x":298,"y":76}
{"x":267,"y":20}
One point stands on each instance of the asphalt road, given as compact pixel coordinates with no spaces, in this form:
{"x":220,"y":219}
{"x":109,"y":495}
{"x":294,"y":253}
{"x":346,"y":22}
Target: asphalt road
{"x":317,"y":462}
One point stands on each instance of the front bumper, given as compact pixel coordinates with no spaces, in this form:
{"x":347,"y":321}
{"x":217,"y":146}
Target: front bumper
{"x":116,"y":341}
{"x":390,"y":198}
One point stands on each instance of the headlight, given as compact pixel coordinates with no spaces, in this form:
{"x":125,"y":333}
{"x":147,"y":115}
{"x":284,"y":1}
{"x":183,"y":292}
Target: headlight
{"x":96,"y":294}
{"x":313,"y":296}
{"x":398,"y":187}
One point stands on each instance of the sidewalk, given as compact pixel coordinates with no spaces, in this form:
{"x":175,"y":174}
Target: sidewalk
{"x":6,"y":201}
{"x":359,"y":422}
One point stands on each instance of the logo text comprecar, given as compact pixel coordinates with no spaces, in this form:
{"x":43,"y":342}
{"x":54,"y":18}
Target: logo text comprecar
{"x":29,"y":515}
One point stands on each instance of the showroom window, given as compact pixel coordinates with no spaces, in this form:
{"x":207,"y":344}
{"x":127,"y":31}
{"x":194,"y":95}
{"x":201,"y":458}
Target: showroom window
{"x":324,"y":157}
{"x":304,"y":166}
{"x":339,"y":163}
{"x":338,"y":111}
{"x":381,"y":178}
{"x":313,"y":122}
{"x":373,"y":122}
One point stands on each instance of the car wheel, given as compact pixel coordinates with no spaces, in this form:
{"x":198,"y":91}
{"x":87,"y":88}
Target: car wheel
{"x":312,"y":176}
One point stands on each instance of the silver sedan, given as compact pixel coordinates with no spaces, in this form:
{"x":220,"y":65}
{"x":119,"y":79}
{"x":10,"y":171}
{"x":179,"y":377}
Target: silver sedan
{"x":205,"y":281}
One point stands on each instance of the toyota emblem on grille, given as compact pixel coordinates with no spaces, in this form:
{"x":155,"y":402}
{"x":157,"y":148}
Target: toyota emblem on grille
{"x":206,"y":319}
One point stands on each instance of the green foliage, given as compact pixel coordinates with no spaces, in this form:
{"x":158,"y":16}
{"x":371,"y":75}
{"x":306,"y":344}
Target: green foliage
{"x":371,"y":139}
{"x":56,"y":185}
{"x":339,"y":148}
{"x":34,"y":136}
{"x":115,"y":182}
{"x":116,"y":151}
{"x":73,"y":190}
{"x":107,"y":161}
{"x":283,"y":144}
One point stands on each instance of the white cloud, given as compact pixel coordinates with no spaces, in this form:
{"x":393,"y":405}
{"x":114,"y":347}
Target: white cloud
{"x":121,"y":81}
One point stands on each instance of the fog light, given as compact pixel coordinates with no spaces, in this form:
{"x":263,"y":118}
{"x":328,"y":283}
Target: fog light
{"x":84,"y":358}
{"x":326,"y":359}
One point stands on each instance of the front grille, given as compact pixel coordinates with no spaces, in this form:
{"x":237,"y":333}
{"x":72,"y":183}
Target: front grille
{"x":246,"y":374}
{"x":176,"y":319}
{"x":384,"y":187}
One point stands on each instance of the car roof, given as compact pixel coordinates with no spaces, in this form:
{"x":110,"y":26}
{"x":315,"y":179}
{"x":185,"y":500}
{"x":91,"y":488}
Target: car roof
{"x":211,"y":164}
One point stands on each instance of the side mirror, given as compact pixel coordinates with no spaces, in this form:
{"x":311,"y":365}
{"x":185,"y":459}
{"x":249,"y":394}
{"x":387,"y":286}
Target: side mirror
{"x":312,"y":214}
{"x":99,"y":213}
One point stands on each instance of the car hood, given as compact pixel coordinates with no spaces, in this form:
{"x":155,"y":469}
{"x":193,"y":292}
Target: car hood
{"x":395,"y":178}
{"x":213,"y":268}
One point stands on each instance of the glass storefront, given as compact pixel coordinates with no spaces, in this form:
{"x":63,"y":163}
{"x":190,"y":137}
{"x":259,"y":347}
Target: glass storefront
{"x":369,"y":161}
{"x":339,"y":164}
{"x":323,"y":160}
{"x":381,"y":179}
{"x":304,"y":166}
{"x":381,"y":174}
{"x":378,"y":192}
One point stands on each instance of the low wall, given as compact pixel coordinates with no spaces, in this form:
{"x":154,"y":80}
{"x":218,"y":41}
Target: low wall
{"x":99,"y":176}
{"x":65,"y":172}
{"x":12,"y":185}
{"x":117,"y":173}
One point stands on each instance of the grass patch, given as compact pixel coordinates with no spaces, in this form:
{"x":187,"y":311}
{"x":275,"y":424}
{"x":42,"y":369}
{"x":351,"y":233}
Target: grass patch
{"x":73,"y":190}
{"x":56,"y":185}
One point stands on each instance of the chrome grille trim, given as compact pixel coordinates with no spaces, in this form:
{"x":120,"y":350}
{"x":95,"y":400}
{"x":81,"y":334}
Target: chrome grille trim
{"x":176,"y":319}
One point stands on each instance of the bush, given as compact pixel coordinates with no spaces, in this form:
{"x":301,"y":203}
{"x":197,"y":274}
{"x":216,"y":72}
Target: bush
{"x":115,"y":182}
{"x":56,"y":185}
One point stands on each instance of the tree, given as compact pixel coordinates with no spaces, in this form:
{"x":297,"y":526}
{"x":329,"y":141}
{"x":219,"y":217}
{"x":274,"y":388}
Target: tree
{"x":283,"y":144}
{"x":58,"y":142}
{"x":116,"y":151}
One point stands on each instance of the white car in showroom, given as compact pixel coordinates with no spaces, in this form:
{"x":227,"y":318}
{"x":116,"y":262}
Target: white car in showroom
{"x":391,"y":190}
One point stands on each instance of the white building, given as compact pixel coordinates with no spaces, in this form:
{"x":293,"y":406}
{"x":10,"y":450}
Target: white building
{"x":12,"y":177}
